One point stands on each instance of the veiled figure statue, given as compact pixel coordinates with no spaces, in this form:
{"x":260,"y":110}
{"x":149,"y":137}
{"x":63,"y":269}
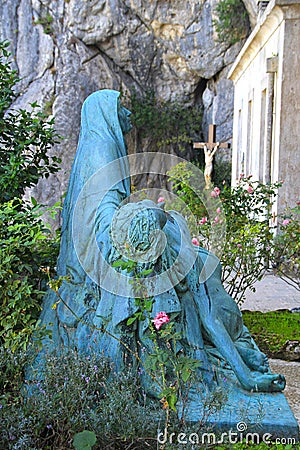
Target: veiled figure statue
{"x":97,"y":298}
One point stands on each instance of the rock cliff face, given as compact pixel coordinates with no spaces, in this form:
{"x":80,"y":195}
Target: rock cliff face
{"x":66,"y":49}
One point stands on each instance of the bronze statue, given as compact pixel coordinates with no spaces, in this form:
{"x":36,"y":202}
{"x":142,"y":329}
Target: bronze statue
{"x":93,"y":313}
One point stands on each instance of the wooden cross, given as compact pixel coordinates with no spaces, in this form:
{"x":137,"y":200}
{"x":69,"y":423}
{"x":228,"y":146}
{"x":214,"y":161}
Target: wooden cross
{"x":210,"y":145}
{"x":210,"y":149}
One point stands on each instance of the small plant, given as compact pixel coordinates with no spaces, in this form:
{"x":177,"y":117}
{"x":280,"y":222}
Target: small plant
{"x":171,"y":369}
{"x":46,"y":21}
{"x":84,"y":440}
{"x":75,"y":393}
{"x":232,"y":23}
{"x":48,"y":107}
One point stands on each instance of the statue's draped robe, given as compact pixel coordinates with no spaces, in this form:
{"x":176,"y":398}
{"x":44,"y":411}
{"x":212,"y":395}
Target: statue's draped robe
{"x":101,"y":143}
{"x":89,"y":314}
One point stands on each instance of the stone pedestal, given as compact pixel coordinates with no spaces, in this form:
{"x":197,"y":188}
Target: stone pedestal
{"x":257,"y":417}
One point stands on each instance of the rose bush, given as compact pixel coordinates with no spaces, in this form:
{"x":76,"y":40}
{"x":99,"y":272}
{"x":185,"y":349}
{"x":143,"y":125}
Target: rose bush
{"x":249,"y":246}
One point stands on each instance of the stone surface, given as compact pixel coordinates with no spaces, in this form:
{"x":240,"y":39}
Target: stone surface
{"x":291,"y":351}
{"x":269,"y":415}
{"x":272,"y":293}
{"x":291,"y":371}
{"x":64,"y":50}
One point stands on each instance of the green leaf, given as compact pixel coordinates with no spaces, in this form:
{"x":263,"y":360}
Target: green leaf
{"x":172,"y":400}
{"x":84,"y":440}
{"x":185,"y":374}
{"x":146,"y":272}
{"x":131,"y":320}
{"x":149,"y":305}
{"x":118,"y":263}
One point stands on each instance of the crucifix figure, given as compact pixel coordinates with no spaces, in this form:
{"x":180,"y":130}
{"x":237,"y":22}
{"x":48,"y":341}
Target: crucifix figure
{"x":210,"y":148}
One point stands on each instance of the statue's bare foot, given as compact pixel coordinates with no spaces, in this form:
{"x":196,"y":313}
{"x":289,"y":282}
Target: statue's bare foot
{"x":267,"y":382}
{"x":254,"y":359}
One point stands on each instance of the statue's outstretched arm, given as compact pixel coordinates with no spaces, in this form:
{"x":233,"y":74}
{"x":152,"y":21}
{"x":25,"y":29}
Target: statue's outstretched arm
{"x":250,"y":380}
{"x":215,"y":149}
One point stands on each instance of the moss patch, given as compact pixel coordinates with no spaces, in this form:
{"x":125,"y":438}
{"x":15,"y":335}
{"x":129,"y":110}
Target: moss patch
{"x":271,"y":330}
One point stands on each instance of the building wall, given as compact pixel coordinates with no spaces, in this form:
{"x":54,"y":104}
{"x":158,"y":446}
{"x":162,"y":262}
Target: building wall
{"x":266,"y":75}
{"x":289,"y":142}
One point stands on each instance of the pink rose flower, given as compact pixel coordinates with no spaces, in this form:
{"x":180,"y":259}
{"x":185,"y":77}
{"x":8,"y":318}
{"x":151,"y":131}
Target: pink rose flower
{"x":218,"y":210}
{"x":216,"y":219}
{"x":160,"y":200}
{"x":195,"y":241}
{"x":160,"y":319}
{"x":239,"y":245}
{"x":250,"y":189}
{"x":215,"y":192}
{"x":203,"y":221}
{"x":285,"y":222}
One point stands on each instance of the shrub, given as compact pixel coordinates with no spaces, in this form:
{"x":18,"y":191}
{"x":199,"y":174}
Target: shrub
{"x":25,"y":138}
{"x":27,"y":248}
{"x":249,"y":237}
{"x":77,"y":393}
{"x":27,"y":253}
{"x":248,"y":243}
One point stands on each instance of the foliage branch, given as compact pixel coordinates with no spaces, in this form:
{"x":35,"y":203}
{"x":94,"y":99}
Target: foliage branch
{"x":25,"y":138}
{"x":232,"y":21}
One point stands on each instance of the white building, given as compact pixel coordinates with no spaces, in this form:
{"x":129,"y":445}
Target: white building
{"x":266,"y":75}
